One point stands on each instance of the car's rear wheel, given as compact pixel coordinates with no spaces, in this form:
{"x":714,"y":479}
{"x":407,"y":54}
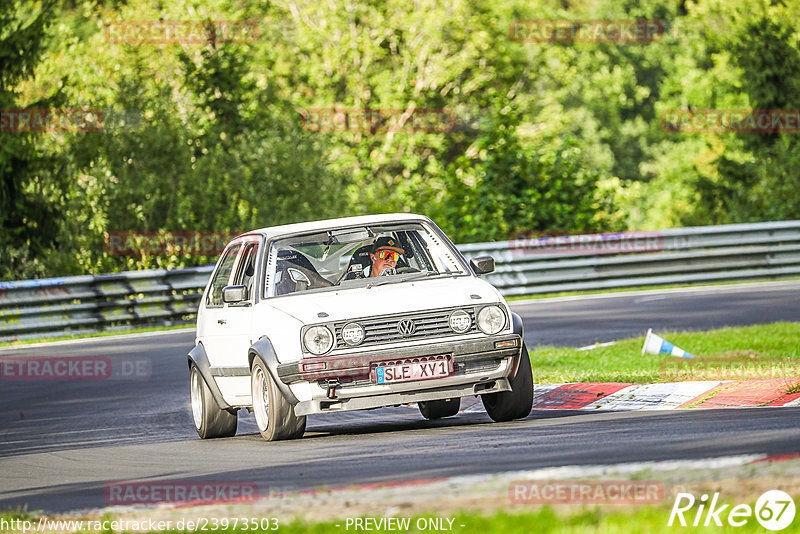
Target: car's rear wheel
{"x":274,"y":415}
{"x":210,"y":420}
{"x":437,"y":409}
{"x":517,"y":403}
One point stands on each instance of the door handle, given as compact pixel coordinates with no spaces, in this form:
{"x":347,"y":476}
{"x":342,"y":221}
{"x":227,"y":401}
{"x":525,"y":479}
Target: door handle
{"x":222,"y":321}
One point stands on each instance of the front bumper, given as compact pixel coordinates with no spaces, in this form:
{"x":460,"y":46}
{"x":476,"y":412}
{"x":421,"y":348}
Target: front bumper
{"x":477,"y":367}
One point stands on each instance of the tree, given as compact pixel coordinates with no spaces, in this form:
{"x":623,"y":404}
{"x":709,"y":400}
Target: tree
{"x":752,"y":58}
{"x":504,"y":187}
{"x":29,"y":176}
{"x":212,"y":151}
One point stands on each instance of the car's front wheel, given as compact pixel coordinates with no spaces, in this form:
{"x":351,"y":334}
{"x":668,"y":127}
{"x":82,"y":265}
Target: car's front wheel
{"x":274,"y":415}
{"x":437,"y":409}
{"x":210,"y":420}
{"x":517,"y":403}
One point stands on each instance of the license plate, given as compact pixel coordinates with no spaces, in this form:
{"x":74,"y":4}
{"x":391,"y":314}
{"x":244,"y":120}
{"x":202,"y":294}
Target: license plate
{"x":412,"y":371}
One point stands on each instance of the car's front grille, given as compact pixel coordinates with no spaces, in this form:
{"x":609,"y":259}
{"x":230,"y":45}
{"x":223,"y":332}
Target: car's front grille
{"x":385,"y":329}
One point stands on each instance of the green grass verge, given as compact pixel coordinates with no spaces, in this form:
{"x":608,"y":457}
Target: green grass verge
{"x":760,"y":351}
{"x":535,"y":296}
{"x":645,"y":519}
{"x":97,"y":334}
{"x":17,"y":513}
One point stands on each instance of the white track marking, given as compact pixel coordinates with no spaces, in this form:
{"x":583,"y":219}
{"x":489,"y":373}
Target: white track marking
{"x":661,"y":396}
{"x":597,"y":345}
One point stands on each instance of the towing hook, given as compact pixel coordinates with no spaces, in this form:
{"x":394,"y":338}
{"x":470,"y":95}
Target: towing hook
{"x":331,"y":391}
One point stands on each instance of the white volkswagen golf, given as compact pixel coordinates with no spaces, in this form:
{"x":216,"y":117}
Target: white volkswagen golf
{"x":352,"y":314}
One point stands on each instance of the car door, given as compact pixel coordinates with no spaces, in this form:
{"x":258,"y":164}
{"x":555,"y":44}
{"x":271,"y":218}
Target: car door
{"x":213,"y":323}
{"x":236,"y":332}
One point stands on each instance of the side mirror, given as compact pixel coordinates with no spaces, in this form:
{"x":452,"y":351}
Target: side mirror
{"x":234,"y":294}
{"x":482,"y":264}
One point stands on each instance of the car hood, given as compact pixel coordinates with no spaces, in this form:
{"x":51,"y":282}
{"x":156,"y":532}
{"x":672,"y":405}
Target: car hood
{"x":389,"y":299}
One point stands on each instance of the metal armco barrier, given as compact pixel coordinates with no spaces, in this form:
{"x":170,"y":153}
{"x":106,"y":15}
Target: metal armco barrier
{"x":33,"y":309}
{"x":525,"y":265}
{"x":702,"y":254}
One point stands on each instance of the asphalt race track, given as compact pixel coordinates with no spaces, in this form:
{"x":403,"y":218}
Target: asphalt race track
{"x":62,"y":441}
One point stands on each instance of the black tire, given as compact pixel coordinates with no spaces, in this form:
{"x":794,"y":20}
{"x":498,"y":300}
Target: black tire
{"x":437,"y":409}
{"x":517,"y":403}
{"x":274,"y":415}
{"x":210,"y":420}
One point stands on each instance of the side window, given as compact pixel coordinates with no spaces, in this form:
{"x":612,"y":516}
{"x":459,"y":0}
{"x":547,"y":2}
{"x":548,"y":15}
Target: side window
{"x":222,"y":276}
{"x":245,"y":274}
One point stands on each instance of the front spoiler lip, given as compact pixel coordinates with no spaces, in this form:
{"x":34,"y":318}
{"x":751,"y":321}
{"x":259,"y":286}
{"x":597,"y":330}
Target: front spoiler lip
{"x":377,"y":401}
{"x":359,"y":365}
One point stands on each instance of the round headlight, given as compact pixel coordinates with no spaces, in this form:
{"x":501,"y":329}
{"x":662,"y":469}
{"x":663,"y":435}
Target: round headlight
{"x":491,"y":319}
{"x":460,"y":321}
{"x":353,"y":333}
{"x":318,"y":340}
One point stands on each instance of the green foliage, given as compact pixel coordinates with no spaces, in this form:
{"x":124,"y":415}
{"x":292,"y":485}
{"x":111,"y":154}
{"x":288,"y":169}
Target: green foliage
{"x":209,"y":135}
{"x":193,"y":142}
{"x":741,"y":58}
{"x":30,"y":179}
{"x":503,"y":186}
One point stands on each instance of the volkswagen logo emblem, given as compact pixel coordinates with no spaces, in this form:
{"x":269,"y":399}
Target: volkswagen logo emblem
{"x":406,"y":327}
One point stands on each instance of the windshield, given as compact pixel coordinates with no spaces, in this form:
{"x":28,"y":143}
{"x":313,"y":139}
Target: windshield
{"x":358,"y":257}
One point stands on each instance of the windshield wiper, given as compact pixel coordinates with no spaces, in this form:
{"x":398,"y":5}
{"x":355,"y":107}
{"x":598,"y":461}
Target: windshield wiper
{"x":393,"y":280}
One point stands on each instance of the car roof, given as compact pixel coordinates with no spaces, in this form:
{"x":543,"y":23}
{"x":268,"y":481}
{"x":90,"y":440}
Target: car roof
{"x":310,"y":226}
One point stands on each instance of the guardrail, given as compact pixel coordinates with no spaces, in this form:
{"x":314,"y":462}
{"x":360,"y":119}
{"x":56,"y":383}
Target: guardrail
{"x":33,"y":309}
{"x":525,"y":265}
{"x":702,"y":254}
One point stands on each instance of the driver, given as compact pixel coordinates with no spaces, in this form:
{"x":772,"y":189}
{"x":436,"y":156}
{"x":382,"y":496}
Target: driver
{"x":385,"y":253}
